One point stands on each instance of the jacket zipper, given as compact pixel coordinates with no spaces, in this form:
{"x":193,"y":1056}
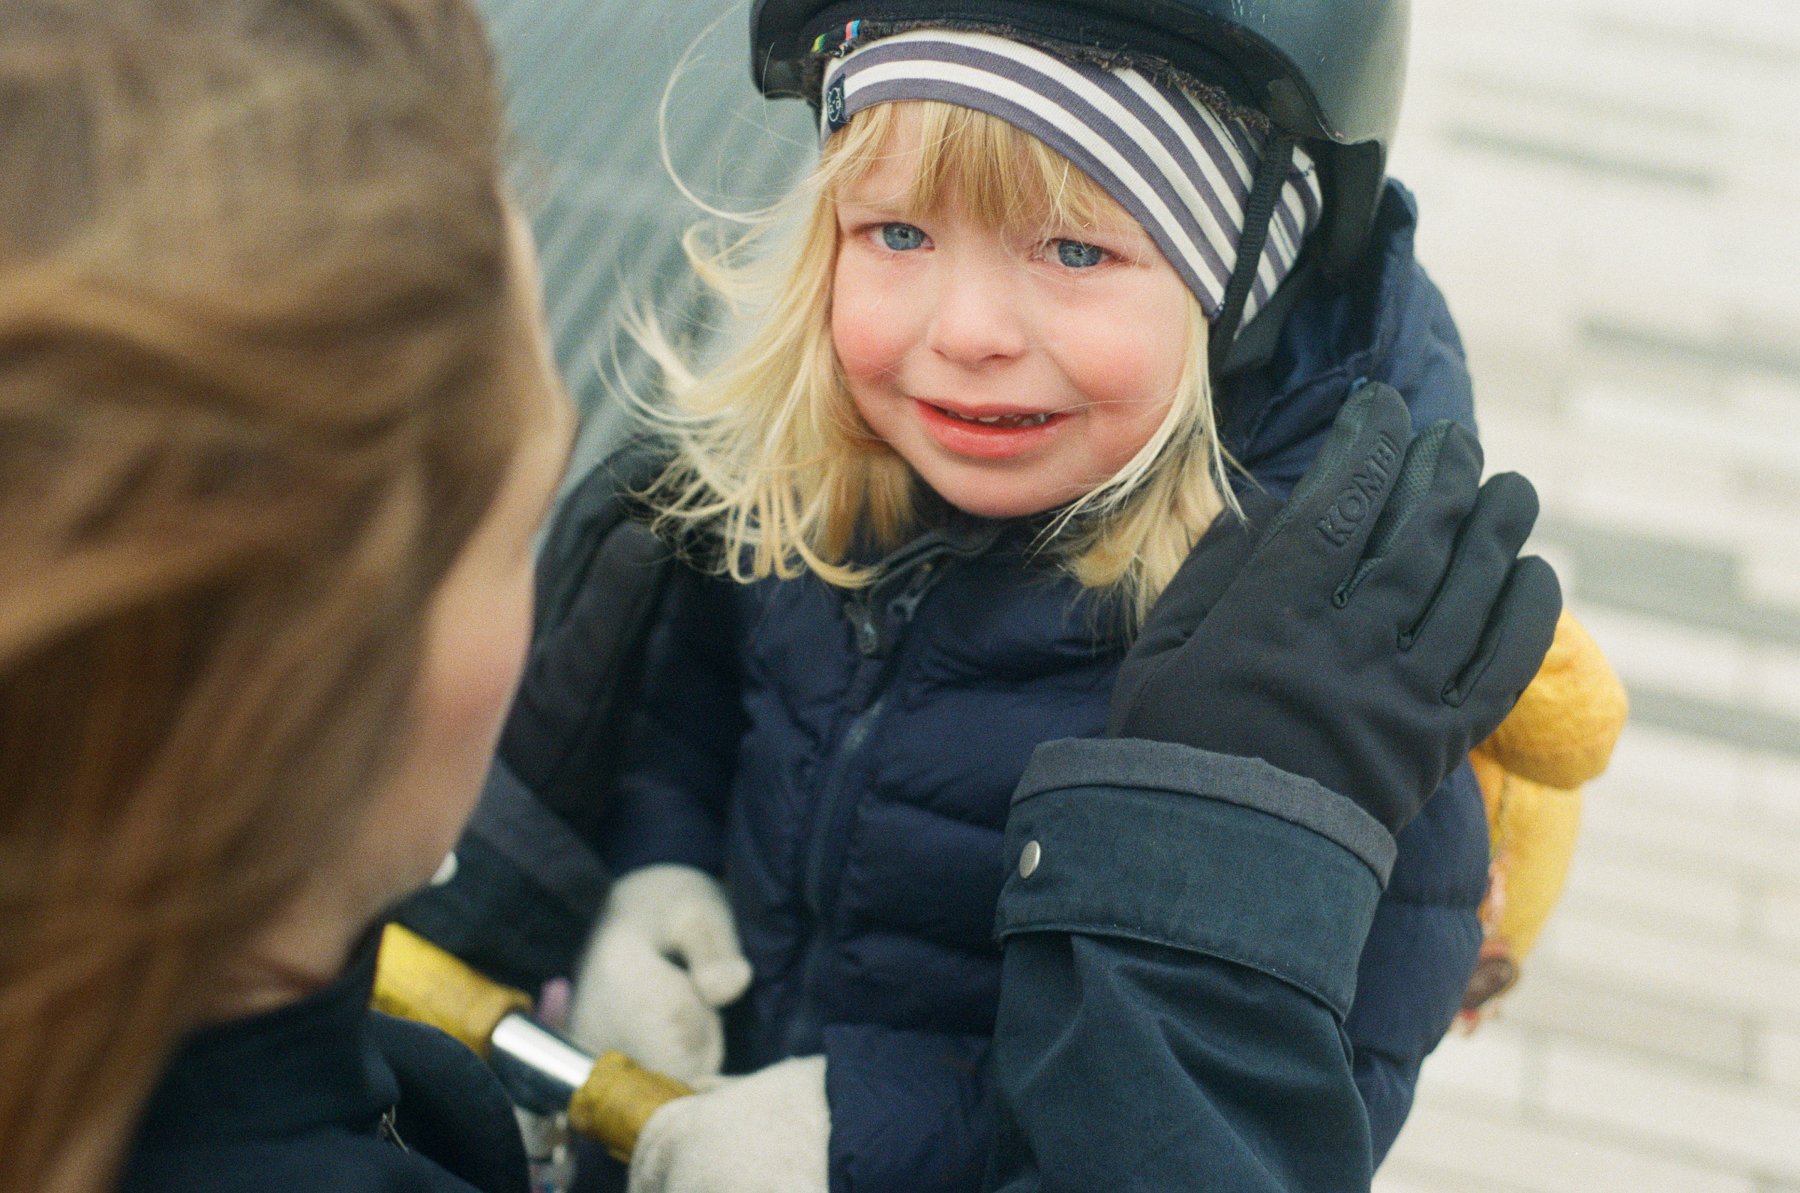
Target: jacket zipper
{"x":877,"y":628}
{"x":877,"y":638}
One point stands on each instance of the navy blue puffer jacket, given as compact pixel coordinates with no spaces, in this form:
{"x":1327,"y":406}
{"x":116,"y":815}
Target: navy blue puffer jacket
{"x":847,"y":762}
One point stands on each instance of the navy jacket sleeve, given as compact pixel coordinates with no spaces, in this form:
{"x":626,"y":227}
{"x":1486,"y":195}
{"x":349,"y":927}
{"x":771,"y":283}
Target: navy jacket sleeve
{"x":530,"y":877}
{"x":669,"y":801}
{"x":1420,"y":952}
{"x":1182,"y":933}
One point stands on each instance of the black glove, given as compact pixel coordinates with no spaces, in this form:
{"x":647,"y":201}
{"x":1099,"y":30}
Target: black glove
{"x":1365,"y":635}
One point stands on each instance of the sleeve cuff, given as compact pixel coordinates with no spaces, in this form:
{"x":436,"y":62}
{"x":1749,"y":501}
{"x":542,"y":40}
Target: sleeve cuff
{"x":1182,"y":770}
{"x":1215,"y":854}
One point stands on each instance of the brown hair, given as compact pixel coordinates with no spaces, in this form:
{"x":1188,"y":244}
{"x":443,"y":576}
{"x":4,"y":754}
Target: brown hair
{"x":253,"y":291}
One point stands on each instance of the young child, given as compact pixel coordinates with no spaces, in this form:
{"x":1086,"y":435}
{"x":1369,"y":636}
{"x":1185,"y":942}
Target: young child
{"x":995,"y":398}
{"x":277,"y":427}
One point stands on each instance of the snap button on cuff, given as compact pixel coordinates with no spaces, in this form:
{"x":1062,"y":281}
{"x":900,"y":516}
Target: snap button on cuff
{"x":1029,"y":857}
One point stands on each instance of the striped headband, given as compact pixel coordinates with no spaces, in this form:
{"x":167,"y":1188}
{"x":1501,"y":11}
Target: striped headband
{"x":1184,"y":172}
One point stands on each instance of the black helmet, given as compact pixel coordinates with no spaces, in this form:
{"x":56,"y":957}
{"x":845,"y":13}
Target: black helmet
{"x":1328,"y":72}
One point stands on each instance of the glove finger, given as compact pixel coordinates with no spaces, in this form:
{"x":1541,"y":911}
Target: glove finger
{"x":1419,"y":529}
{"x":705,"y":940}
{"x":722,"y":982}
{"x":1512,"y":647}
{"x":1487,"y":546}
{"x":1314,"y":544}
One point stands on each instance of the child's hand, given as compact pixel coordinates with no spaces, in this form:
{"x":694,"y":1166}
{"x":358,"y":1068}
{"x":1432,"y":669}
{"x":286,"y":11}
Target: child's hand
{"x":1365,"y":635}
{"x":765,"y":1133}
{"x":662,"y":960}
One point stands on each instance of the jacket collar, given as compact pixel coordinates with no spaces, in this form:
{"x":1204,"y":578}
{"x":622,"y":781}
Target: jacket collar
{"x":1386,"y":321}
{"x":304,"y":1066}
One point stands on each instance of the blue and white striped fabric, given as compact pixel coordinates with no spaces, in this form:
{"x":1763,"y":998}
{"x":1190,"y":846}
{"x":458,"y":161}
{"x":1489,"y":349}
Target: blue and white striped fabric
{"x":1183,"y":171}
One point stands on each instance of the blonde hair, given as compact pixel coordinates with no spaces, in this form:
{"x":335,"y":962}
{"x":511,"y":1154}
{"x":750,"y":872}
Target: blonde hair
{"x":775,"y":465}
{"x":253,"y":287}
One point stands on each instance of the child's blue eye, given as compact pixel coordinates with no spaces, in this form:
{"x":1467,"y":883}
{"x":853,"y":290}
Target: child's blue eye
{"x":1077,"y":255}
{"x":901,"y":237}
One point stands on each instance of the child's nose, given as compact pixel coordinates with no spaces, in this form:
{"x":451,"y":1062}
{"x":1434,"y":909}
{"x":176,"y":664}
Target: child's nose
{"x":978,"y":317}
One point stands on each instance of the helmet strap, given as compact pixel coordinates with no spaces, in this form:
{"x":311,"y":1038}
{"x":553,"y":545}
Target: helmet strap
{"x":1271,"y":174}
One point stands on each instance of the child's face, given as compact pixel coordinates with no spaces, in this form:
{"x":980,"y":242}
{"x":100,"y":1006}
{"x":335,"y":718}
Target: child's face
{"x":1074,"y":342}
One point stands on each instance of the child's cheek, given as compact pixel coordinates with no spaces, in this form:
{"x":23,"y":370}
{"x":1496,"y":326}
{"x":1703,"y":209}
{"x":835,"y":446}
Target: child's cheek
{"x":1137,"y":362}
{"x":866,"y":330}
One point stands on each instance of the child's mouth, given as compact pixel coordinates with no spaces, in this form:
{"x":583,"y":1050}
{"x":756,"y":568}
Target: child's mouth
{"x":990,"y":435}
{"x":1006,"y":420}
{"x":1002,"y":421}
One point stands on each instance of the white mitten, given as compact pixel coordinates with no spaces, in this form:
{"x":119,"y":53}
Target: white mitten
{"x":766,"y":1133}
{"x":663,"y":958}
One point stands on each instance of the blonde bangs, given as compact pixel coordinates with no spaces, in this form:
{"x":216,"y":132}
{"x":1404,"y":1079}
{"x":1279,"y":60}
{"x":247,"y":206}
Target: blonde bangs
{"x":998,"y":175}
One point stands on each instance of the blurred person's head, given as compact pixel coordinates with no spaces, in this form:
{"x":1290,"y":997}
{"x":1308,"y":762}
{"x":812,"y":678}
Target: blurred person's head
{"x":276,"y":429}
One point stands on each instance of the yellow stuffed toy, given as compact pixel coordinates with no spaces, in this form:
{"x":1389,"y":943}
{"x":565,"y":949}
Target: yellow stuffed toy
{"x":1559,"y":736}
